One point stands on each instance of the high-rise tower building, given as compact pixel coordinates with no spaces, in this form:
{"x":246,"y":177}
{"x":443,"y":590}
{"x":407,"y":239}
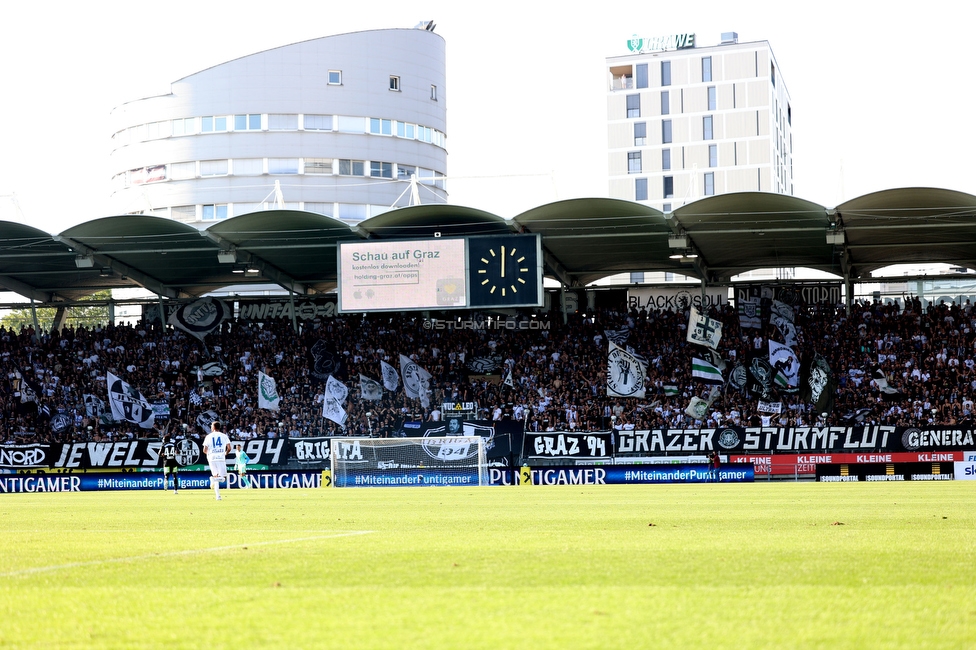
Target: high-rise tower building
{"x":339,"y":125}
{"x":687,"y":121}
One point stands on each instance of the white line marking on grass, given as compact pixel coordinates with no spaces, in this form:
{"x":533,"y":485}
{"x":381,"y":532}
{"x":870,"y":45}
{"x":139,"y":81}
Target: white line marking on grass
{"x":155,"y":556}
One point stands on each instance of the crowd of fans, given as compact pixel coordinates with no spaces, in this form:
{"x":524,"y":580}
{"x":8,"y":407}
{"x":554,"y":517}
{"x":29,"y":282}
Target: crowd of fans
{"x":557,"y":370}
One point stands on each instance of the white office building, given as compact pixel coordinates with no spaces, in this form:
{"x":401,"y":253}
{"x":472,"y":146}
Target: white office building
{"x":338,"y":125}
{"x":687,"y":121}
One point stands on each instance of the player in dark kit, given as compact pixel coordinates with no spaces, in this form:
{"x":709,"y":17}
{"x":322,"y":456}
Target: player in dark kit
{"x":170,"y":467}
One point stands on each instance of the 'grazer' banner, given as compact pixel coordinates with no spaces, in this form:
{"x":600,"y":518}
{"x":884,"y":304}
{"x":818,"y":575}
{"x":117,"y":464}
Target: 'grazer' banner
{"x":795,"y":440}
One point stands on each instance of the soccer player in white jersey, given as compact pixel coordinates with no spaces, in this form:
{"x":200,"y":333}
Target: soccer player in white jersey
{"x":215,"y":446}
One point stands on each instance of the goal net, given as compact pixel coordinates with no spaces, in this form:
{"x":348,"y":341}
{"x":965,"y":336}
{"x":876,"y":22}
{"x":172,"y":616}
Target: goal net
{"x":369,"y":462}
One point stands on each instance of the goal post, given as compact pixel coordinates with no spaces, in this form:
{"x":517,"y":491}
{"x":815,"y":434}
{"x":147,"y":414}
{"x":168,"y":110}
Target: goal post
{"x":417,"y":462}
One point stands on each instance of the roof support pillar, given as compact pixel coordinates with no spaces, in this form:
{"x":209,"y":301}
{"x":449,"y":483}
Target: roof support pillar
{"x":60,"y":316}
{"x":848,"y":298}
{"x":294,"y":319}
{"x":162,"y":312}
{"x":562,"y":301}
{"x":37,"y":327}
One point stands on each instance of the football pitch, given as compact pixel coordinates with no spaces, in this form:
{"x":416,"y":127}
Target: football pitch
{"x":773,"y":565}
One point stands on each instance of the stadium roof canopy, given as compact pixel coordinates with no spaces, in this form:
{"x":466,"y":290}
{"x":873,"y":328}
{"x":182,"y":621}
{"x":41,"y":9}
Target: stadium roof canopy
{"x":583,"y":240}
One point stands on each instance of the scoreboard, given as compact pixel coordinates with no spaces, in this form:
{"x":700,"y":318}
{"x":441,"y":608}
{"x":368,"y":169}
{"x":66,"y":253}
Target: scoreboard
{"x":440,"y":273}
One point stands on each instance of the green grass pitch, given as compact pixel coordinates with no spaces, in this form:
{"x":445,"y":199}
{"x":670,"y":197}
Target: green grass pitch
{"x":764,"y":565}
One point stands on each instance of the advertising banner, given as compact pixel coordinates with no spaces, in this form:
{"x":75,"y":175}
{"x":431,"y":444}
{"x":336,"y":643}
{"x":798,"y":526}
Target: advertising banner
{"x":965,"y":470}
{"x":869,"y":472}
{"x":91,"y":482}
{"x":638,"y":474}
{"x":795,"y":464}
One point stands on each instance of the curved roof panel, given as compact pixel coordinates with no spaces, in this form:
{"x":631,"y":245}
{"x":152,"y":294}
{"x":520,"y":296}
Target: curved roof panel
{"x":289,"y":246}
{"x":740,"y":232}
{"x":909,"y":225}
{"x":589,"y":239}
{"x":583,"y":240}
{"x":426,"y":220}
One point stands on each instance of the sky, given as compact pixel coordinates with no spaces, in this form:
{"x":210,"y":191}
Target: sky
{"x":881,"y":98}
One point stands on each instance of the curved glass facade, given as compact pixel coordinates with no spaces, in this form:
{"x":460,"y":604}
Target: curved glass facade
{"x":288,"y":127}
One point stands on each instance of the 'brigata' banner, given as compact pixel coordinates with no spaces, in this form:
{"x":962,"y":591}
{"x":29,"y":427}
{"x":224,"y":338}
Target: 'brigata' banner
{"x":793,"y":440}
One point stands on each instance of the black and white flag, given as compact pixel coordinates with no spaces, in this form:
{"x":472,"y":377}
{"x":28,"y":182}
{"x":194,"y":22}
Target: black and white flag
{"x":200,"y":317}
{"x":324,"y":361}
{"x":94,"y":406}
{"x":626,"y":375}
{"x":786,"y":365}
{"x":703,"y":330}
{"x":819,"y":386}
{"x":128,"y":404}
{"x":619,"y":336}
{"x":739,"y":377}
{"x":391,"y":378}
{"x":333,"y":410}
{"x":28,"y":389}
{"x":416,"y":380}
{"x":205,"y":419}
{"x":370,"y":389}
{"x":509,"y":381}
{"x":750,"y":313}
{"x":782,"y":310}
{"x":786,"y":329}
{"x":336,"y":390}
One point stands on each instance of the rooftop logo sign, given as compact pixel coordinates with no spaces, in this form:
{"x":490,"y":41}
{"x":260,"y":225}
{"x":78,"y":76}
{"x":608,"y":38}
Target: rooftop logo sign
{"x":656,"y":43}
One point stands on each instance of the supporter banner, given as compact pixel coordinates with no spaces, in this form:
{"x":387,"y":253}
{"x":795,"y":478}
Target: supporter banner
{"x":676,"y":299}
{"x":568,"y":444}
{"x":503,"y":438}
{"x":830,"y":293}
{"x":310,"y":450}
{"x":636,"y":474}
{"x":265,"y":310}
{"x":153,"y":481}
{"x":200,"y":317}
{"x":794,"y":439}
{"x":129,"y":454}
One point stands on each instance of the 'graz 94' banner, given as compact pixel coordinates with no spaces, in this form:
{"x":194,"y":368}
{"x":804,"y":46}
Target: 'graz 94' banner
{"x":793,"y":440}
{"x":568,"y":444}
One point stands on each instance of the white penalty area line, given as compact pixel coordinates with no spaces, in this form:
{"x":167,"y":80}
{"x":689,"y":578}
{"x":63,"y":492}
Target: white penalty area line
{"x":196,"y":551}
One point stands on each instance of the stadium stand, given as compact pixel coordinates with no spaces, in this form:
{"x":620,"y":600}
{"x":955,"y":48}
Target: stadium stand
{"x":890,"y":365}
